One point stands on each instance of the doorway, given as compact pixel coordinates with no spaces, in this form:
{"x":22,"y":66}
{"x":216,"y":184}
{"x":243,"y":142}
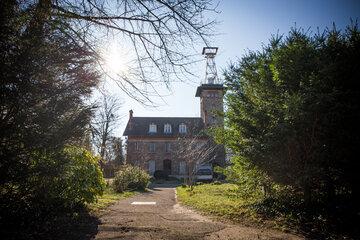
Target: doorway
{"x":152,"y":167}
{"x":167,"y":166}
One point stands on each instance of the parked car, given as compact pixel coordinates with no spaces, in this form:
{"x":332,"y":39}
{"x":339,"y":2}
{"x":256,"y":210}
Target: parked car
{"x":204,"y":175}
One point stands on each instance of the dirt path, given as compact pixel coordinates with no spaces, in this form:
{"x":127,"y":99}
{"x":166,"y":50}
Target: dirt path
{"x":168,"y":220}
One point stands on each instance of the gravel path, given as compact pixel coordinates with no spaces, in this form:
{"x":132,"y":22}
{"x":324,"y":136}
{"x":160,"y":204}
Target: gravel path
{"x":168,"y":220}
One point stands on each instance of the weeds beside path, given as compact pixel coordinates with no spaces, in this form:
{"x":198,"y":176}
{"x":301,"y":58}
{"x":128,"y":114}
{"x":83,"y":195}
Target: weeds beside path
{"x":224,"y":201}
{"x":108,"y":198}
{"x":228,"y":202}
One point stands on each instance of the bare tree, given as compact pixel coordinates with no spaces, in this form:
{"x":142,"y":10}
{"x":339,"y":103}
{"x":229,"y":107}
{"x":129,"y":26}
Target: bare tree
{"x":161,"y":33}
{"x":196,"y":151}
{"x":104,"y":123}
{"x":114,"y":151}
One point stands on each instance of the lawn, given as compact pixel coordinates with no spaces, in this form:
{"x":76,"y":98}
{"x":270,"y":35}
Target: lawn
{"x":109,"y":197}
{"x":221,"y":200}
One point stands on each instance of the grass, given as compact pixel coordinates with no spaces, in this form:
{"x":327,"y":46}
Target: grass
{"x":221,"y":200}
{"x":108,"y":198}
{"x":285,"y":211}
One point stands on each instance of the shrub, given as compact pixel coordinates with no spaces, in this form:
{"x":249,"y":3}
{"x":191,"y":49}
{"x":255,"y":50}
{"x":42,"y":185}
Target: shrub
{"x":130,"y":178}
{"x":57,"y":185}
{"x":69,"y":177}
{"x":159,"y":174}
{"x":83,"y":176}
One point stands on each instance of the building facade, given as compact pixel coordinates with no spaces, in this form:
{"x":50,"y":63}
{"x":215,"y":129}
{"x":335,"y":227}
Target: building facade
{"x":153,"y":142}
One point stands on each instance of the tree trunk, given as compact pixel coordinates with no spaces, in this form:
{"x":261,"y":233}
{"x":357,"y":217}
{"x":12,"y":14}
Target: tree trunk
{"x":307,"y":192}
{"x":330,"y":190}
{"x":104,"y":139}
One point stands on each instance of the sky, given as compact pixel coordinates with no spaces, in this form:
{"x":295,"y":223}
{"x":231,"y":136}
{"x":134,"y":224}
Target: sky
{"x":244,"y":25}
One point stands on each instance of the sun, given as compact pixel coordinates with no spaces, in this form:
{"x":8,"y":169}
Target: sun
{"x":116,"y":59}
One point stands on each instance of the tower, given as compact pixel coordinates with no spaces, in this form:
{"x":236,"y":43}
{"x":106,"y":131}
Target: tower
{"x":211,"y":91}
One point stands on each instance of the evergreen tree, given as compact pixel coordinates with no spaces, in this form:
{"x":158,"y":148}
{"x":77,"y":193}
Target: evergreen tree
{"x":293,"y":114}
{"x":46,"y":77}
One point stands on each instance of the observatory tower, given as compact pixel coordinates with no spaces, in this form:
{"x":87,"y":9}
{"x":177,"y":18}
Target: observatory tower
{"x":211,"y":91}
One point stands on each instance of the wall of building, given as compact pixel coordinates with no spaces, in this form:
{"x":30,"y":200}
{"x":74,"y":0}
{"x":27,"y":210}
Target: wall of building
{"x":138,"y":153}
{"x":211,"y":103}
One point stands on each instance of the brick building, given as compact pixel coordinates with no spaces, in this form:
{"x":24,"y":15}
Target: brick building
{"x":152,"y":142}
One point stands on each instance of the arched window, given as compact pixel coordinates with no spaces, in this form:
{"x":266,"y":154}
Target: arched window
{"x":152,"y":128}
{"x":182,"y":128}
{"x":167,"y":128}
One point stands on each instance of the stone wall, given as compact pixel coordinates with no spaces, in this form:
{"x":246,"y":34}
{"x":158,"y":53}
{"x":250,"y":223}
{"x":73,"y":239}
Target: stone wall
{"x":141,"y":156}
{"x":211,"y":103}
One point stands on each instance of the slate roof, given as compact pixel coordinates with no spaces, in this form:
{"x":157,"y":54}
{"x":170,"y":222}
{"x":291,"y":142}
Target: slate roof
{"x":139,"y":126}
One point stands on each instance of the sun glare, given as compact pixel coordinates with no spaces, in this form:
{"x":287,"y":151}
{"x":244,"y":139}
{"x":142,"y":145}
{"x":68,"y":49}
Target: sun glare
{"x":116,"y":59}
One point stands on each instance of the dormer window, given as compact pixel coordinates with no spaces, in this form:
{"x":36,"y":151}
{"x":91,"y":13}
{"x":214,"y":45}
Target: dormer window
{"x":182,"y":128}
{"x":152,"y":128}
{"x":167,"y":128}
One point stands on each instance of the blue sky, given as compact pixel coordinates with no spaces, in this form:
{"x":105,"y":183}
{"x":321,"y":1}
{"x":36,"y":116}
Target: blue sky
{"x":246,"y":25}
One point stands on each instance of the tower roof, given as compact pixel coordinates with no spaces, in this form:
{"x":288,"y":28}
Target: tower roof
{"x":208,"y":87}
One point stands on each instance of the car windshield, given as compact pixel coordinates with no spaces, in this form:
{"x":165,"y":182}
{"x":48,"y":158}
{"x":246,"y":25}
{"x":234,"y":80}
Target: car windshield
{"x":204,"y":172}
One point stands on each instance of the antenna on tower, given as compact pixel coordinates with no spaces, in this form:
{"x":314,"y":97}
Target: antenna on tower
{"x":211,"y":76}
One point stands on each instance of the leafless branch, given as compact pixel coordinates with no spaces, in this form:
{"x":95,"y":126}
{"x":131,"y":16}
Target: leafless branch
{"x":161,"y":33}
{"x":196,"y":151}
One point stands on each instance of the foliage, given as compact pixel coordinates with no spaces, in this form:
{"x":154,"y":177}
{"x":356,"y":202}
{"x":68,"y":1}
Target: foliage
{"x":292,"y":119}
{"x":130,"y":178}
{"x":251,"y":180}
{"x":48,"y":70}
{"x":59,"y":181}
{"x":83,"y":176}
{"x":76,"y":180}
{"x":114,"y":157}
{"x":46,"y":79}
{"x":116,"y":151}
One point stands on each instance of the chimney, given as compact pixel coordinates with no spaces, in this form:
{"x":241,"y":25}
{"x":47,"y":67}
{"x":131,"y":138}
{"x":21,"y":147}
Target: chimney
{"x":131,"y":113}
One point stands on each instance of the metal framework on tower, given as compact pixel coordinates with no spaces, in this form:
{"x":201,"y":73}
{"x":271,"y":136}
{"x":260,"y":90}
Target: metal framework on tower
{"x":211,"y":76}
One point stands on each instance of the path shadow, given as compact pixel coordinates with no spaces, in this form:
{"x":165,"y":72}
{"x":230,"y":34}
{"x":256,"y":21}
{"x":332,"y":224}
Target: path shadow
{"x":79,"y":225}
{"x":164,"y":184}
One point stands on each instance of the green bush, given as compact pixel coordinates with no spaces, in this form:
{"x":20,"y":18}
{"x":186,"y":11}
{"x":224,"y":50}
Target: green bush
{"x":83,"y":176}
{"x":56,"y":186}
{"x":130,"y":178}
{"x":69,"y":177}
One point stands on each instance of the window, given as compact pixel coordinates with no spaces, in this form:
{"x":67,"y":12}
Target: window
{"x":167,"y":128}
{"x":136,"y":146}
{"x":182,"y":168}
{"x":167,"y":147}
{"x":152,"y":147}
{"x":182,"y":128}
{"x":152,"y":128}
{"x":152,"y":167}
